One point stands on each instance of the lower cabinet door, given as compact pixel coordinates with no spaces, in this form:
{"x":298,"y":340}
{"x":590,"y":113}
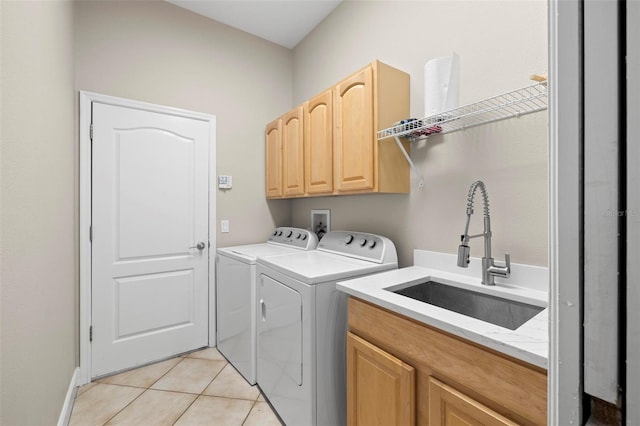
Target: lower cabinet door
{"x":449,"y":407}
{"x":380,"y":387}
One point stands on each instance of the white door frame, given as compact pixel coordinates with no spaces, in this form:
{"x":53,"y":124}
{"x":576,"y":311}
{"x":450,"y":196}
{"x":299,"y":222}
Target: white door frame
{"x":632,"y":392}
{"x":564,"y":406}
{"x":86,"y":100}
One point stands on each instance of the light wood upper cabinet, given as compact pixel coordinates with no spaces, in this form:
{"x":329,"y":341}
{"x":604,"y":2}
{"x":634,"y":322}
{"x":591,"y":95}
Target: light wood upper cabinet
{"x":318,"y":144}
{"x":354,"y":137}
{"x":273,"y":156}
{"x":380,"y":387}
{"x":293,"y":152}
{"x":449,"y":407}
{"x":330,"y":147}
{"x":372,"y":99}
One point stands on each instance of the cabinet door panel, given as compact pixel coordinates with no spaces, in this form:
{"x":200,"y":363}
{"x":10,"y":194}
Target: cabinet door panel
{"x":380,"y":387}
{"x":273,"y":154}
{"x":354,"y":136}
{"x":318,"y":144}
{"x":449,"y":407}
{"x":293,"y":152}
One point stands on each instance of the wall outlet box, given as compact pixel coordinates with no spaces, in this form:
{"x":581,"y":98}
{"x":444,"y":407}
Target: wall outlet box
{"x":225,"y":182}
{"x":320,"y":222}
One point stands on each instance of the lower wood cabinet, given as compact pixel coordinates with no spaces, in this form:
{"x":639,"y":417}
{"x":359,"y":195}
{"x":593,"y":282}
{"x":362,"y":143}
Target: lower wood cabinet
{"x":402,"y":372}
{"x":380,"y":387}
{"x":449,"y":407}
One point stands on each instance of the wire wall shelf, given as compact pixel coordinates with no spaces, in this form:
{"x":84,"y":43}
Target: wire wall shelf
{"x":516,"y":103}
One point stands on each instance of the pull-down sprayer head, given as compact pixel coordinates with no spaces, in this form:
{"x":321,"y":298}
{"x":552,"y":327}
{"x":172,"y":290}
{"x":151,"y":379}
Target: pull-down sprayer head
{"x":464,"y":251}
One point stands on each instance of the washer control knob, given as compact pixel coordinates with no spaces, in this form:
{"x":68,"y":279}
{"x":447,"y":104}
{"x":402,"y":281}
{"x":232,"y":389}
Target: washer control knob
{"x":298,"y":236}
{"x":348,"y":239}
{"x":275,"y":232}
{"x":363,"y":242}
{"x":290,"y":233}
{"x":279,"y":233}
{"x":304,"y":237}
{"x":372,"y":244}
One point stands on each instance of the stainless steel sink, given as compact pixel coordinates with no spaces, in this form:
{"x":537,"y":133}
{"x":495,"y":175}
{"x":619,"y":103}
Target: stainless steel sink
{"x":495,"y":310}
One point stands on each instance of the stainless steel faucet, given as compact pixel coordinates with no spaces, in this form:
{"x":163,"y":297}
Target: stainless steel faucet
{"x":489,"y":269}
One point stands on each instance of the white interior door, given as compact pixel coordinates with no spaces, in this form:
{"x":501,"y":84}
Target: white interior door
{"x":150,"y":243}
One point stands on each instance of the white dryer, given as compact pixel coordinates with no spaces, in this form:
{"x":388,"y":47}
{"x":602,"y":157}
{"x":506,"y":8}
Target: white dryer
{"x":236,"y":293}
{"x":302,"y":324}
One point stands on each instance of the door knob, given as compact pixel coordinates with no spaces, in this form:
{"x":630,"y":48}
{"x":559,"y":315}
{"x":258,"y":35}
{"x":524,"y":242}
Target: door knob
{"x":200,"y":246}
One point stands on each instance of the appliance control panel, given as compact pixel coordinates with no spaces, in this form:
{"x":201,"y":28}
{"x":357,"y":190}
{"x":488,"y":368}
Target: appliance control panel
{"x":371,"y":247}
{"x":294,"y":237}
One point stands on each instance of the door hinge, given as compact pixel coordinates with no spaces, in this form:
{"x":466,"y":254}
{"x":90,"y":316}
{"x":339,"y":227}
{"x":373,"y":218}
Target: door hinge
{"x":91,"y":333}
{"x":90,"y":234}
{"x":91,"y":132}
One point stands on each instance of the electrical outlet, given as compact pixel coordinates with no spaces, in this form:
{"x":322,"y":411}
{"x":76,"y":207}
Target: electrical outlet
{"x":224,"y":225}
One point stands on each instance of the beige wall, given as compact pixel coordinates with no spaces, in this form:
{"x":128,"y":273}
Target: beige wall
{"x":149,"y":51}
{"x":155,"y":52}
{"x":38,"y":208}
{"x":500,"y":44}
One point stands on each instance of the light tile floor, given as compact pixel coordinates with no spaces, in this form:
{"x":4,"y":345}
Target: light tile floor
{"x":200,"y":388}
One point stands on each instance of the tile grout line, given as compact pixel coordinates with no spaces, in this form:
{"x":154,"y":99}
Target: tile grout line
{"x":186,"y":409}
{"x":167,"y":372}
{"x":201,"y":392}
{"x":214,"y":377}
{"x":253,"y":404}
{"x":141,"y":393}
{"x":191,"y":393}
{"x":228,"y":397}
{"x":100,"y":381}
{"x":123,"y":408}
{"x":250,"y":410}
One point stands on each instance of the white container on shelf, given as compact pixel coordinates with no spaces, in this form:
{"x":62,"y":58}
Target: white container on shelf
{"x":441,"y":84}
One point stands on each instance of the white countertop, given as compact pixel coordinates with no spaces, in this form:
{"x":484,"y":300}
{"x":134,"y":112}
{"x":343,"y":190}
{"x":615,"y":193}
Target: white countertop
{"x":528,"y":343}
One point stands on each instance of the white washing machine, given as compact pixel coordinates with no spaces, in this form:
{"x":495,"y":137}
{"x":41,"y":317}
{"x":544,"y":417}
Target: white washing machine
{"x":236,"y":293}
{"x":302,"y":324}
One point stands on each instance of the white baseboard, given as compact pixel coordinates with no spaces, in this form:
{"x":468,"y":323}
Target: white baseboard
{"x":67,"y":407}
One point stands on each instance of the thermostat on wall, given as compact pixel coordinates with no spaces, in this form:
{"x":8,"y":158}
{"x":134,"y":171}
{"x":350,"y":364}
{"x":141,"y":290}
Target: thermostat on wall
{"x":224,"y":182}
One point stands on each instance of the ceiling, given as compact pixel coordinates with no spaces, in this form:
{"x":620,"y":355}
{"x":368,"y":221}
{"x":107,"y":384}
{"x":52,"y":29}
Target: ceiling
{"x":284,"y":22}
